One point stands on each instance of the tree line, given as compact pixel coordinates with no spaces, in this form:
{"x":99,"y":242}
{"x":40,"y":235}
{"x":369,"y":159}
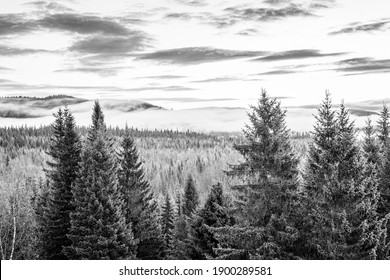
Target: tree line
{"x":97,"y":204}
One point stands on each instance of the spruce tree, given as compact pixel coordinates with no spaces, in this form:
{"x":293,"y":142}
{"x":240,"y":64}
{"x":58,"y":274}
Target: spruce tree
{"x":64,"y":150}
{"x":98,"y":226}
{"x":168,"y":226}
{"x":264,"y":198}
{"x":371,"y":149}
{"x":384,"y":126}
{"x":191,"y":198}
{"x":140,"y":206}
{"x":340,"y":193}
{"x":181,"y":243}
{"x":214,"y":214}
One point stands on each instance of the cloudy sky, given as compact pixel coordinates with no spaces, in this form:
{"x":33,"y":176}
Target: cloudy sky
{"x":184,"y":54}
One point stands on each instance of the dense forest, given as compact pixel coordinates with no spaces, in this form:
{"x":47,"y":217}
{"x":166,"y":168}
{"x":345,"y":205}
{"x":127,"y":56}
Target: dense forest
{"x":70,"y":192}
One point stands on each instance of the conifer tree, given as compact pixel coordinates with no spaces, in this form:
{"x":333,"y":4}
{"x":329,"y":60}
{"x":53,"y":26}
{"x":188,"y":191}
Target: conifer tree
{"x":168,"y":225}
{"x":65,"y":153}
{"x":371,"y":149}
{"x":140,"y":206}
{"x":340,"y":199}
{"x":384,"y":126}
{"x":181,"y":234}
{"x":191,"y":198}
{"x":213,"y":214}
{"x":264,"y":198}
{"x":98,"y":226}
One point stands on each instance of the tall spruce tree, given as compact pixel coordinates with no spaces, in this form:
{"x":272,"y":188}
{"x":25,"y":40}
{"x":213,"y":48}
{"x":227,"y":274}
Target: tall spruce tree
{"x":180,"y":243}
{"x":168,"y":226}
{"x":264,"y":198}
{"x":64,"y":150}
{"x":383,"y":126}
{"x":215,"y":214}
{"x":384,"y":184}
{"x":98,"y":226}
{"x":340,"y":199}
{"x":140,"y":207}
{"x":191,"y":198}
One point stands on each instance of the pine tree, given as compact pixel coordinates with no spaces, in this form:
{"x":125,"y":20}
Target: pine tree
{"x":340,"y":199}
{"x":168,"y":225}
{"x":265,"y":196}
{"x":65,"y":152}
{"x":140,"y":207}
{"x":214,"y":214}
{"x":98,"y":226}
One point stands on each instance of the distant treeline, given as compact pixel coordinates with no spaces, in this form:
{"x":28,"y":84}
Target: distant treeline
{"x":50,"y":97}
{"x":39,"y":137}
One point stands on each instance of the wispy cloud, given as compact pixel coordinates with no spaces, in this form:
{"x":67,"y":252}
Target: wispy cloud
{"x":192,"y":2}
{"x":163,"y":77}
{"x":83,"y":24}
{"x":113,"y":45}
{"x":49,"y":6}
{"x":14,"y":24}
{"x":364,"y":65}
{"x":218,"y":79}
{"x":265,"y":14}
{"x":363,"y":27}
{"x":196,"y":55}
{"x":296,"y":54}
{"x":161,"y":88}
{"x":190,"y":99}
{"x":11,"y":51}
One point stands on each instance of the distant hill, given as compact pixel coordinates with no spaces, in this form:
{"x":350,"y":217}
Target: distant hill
{"x":48,"y":102}
{"x":26,"y":107}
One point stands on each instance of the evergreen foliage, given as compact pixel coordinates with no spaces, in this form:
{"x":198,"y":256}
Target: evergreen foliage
{"x":98,"y":226}
{"x":269,"y":181}
{"x":167,"y":225}
{"x":191,"y":198}
{"x":215,"y":213}
{"x":140,"y":207}
{"x":340,"y":199}
{"x":65,"y":151}
{"x":371,"y":149}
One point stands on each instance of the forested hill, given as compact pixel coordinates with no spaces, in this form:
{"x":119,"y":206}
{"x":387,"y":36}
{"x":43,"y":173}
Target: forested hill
{"x":25,"y":107}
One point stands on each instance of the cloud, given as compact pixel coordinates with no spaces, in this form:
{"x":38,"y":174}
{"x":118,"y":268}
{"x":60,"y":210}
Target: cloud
{"x":179,"y":16}
{"x":111,"y":45}
{"x":161,"y":88}
{"x":49,"y":6}
{"x":10,"y":51}
{"x":265,"y":14}
{"x":364,"y":65}
{"x":278,"y":72}
{"x":296,"y":54}
{"x":162,"y":77}
{"x":102,"y":71}
{"x":248,"y":32}
{"x":14,"y":24}
{"x":192,"y":2}
{"x":196,"y":55}
{"x":218,"y":79}
{"x":189,"y":99}
{"x":361,"y":113}
{"x":363,"y":27}
{"x":83,"y":24}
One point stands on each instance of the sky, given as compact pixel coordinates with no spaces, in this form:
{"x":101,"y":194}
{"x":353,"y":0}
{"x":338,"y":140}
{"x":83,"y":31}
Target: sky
{"x":194,"y":54}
